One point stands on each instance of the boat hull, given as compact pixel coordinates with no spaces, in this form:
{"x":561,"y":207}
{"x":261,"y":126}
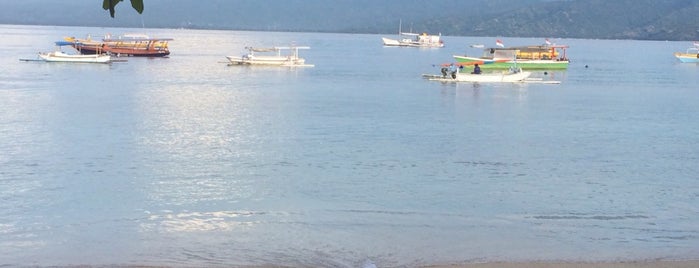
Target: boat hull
{"x":431,"y":41}
{"x":275,"y":59}
{"x":687,"y":58}
{"x":506,"y":64}
{"x":268,"y":61}
{"x":62,"y":57}
{"x":390,"y":42}
{"x":132,"y":48}
{"x":131,"y":52}
{"x":504,"y":77}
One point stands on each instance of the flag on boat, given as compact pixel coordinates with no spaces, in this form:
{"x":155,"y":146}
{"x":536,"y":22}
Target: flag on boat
{"x":548,"y":42}
{"x":499,"y":43}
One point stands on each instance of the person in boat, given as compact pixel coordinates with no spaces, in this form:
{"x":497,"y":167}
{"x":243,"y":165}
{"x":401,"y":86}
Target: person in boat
{"x":452,"y":70}
{"x":476,"y":69}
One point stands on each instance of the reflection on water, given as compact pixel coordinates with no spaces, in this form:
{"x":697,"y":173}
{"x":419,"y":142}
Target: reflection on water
{"x":185,"y":161}
{"x":220,"y":221}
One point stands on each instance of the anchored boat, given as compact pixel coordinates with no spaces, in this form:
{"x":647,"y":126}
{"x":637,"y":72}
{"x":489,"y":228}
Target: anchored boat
{"x":409,"y":39}
{"x":691,"y":55}
{"x":452,"y":74}
{"x":540,"y":57}
{"x":271,"y":57}
{"x":136,"y":45}
{"x":59,"y":56}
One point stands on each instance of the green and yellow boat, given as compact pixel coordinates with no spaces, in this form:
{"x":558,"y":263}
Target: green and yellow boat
{"x":542,"y":57}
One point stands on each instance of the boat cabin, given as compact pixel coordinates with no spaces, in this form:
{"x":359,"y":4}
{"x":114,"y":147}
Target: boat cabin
{"x":527,"y":53}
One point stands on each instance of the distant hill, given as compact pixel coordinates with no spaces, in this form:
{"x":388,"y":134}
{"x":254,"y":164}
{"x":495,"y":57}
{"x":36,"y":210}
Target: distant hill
{"x":603,"y":19}
{"x":606,"y":19}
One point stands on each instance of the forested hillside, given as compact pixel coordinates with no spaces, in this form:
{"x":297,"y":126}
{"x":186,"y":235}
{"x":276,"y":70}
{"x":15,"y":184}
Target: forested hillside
{"x":605,"y":19}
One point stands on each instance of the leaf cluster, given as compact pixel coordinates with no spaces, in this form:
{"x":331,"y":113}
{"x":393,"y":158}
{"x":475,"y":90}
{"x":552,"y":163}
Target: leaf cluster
{"x":110,"y":4}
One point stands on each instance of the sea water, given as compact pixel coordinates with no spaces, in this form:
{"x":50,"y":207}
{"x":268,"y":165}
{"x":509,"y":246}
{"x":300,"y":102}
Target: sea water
{"x":185,"y":161}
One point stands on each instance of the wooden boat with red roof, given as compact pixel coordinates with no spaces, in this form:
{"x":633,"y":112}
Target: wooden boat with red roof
{"x":136,"y":45}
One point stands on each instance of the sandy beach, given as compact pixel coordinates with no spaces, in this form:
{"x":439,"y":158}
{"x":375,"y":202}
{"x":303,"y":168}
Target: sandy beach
{"x":633,"y":264}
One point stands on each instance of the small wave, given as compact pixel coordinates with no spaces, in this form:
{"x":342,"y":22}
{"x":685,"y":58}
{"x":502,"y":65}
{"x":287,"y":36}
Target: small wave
{"x":488,"y":163}
{"x":594,"y":217}
{"x":683,"y":237}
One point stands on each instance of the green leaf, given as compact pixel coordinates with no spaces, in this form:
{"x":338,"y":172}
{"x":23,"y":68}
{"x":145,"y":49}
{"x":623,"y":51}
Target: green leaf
{"x":110,"y":4}
{"x":137,"y":5}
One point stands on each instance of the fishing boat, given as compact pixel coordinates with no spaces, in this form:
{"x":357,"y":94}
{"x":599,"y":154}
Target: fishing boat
{"x":59,"y":56}
{"x":417,"y":40}
{"x":539,"y":57}
{"x":271,"y":57}
{"x":410,"y":39}
{"x":512,"y":75}
{"x":136,"y":45}
{"x":691,"y":55}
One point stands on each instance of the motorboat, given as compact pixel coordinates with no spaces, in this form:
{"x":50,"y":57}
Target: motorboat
{"x":410,"y":39}
{"x":416,"y":40}
{"x":691,"y":55}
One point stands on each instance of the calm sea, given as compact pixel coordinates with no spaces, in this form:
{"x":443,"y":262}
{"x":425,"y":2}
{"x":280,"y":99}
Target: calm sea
{"x":185,"y":161}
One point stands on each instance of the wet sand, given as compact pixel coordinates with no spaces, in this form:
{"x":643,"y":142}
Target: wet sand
{"x":634,"y":264}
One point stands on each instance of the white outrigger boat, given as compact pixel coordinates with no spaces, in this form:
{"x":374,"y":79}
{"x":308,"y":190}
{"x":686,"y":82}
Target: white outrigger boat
{"x":273,"y":57}
{"x":513,"y":75}
{"x":59,"y":56}
{"x":452,"y":73}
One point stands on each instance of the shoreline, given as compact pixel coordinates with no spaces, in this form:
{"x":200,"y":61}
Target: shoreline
{"x":523,"y":264}
{"x":619,"y":264}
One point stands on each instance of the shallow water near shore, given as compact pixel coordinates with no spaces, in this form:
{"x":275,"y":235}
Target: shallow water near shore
{"x":185,"y":161}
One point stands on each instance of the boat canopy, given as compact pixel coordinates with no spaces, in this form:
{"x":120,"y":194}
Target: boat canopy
{"x":64,"y":43}
{"x":498,"y":54}
{"x":137,"y":40}
{"x":292,"y":48}
{"x":273,"y":49}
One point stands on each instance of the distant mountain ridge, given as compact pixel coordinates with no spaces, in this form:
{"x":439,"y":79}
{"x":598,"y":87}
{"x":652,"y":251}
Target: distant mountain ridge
{"x":610,"y":19}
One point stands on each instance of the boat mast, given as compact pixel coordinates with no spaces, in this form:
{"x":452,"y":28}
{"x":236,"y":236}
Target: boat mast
{"x":400,"y":26}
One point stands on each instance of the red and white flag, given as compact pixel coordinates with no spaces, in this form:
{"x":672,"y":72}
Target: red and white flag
{"x":499,"y":43}
{"x":548,"y":42}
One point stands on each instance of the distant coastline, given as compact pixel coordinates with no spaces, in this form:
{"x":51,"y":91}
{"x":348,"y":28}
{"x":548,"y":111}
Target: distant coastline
{"x":672,"y":20}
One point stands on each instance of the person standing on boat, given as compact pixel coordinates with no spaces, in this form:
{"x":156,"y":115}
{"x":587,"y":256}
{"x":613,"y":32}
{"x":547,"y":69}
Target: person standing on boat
{"x":452,"y":70}
{"x":476,"y":69}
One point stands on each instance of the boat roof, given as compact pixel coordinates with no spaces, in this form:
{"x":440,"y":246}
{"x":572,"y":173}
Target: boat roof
{"x":530,"y":48}
{"x":293,"y":47}
{"x":261,"y":49}
{"x":271,"y":49}
{"x":416,"y":34}
{"x":136,"y":39}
